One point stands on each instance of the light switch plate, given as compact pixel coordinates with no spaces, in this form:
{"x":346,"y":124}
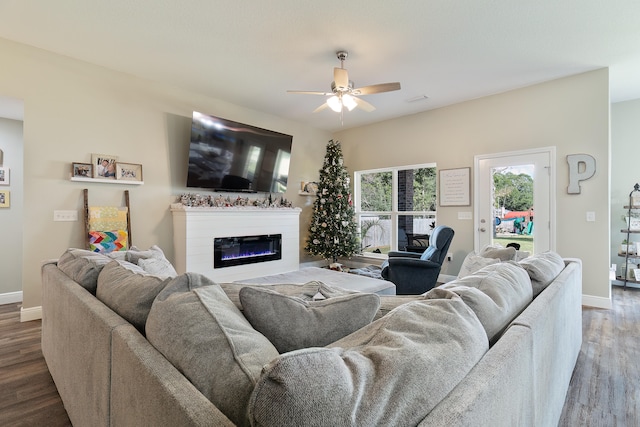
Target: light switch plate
{"x":65,"y":215}
{"x":464,"y":215}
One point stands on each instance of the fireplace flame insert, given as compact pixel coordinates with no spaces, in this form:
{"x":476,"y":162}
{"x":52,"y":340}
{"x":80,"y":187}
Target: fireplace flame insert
{"x":232,"y":251}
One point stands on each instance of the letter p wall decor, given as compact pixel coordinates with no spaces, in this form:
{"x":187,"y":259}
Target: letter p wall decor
{"x":581,"y":168}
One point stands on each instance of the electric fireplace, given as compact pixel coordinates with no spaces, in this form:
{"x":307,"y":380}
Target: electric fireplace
{"x":232,"y":251}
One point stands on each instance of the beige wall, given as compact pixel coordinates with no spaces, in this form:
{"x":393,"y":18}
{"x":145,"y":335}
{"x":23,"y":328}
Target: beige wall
{"x":73,"y":109}
{"x":571,"y":114}
{"x":11,"y":218}
{"x":625,"y":155}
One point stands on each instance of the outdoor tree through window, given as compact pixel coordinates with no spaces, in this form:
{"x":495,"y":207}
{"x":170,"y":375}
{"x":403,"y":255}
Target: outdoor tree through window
{"x":396,"y":208}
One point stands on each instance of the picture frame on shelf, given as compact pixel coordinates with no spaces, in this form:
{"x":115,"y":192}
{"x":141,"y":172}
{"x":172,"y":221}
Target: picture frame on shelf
{"x":4,"y":176}
{"x":81,"y":170}
{"x":5,"y":200}
{"x":104,"y":165}
{"x":128,"y":171}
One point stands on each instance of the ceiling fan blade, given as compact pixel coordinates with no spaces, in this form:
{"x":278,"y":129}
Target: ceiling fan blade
{"x":321,"y":107}
{"x":309,"y":92}
{"x":341,"y":77}
{"x":379,"y":88}
{"x":364,"y":105}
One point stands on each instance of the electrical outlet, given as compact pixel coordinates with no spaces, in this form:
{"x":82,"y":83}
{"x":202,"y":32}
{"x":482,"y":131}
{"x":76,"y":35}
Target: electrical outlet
{"x":65,"y":215}
{"x":449,"y":256}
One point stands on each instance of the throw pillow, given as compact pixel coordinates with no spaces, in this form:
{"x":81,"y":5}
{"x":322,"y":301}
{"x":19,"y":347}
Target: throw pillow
{"x":129,"y":291}
{"x":83,"y":267}
{"x":391,"y":372}
{"x":204,"y":335}
{"x":542,"y":269}
{"x":291,"y":323}
{"x":474,"y":262}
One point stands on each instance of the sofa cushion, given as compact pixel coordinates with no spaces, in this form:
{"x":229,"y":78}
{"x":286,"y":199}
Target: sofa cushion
{"x":83,"y":267}
{"x":508,"y":289}
{"x":474,"y":262}
{"x":499,"y":252}
{"x":542,"y":269}
{"x":129,"y":291}
{"x":307,"y":291}
{"x":291,"y":323}
{"x":391,"y":372}
{"x":203,"y":334}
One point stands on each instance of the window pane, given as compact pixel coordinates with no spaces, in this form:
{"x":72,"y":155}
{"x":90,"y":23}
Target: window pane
{"x":417,"y":189}
{"x":414,"y":231}
{"x":375,"y":233}
{"x":375,"y":192}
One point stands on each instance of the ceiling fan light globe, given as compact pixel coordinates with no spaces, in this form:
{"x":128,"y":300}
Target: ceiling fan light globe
{"x":349,"y":102}
{"x":335,"y":104}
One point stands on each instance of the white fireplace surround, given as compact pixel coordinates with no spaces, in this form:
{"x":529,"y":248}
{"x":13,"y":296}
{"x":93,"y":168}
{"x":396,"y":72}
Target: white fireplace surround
{"x":195,"y":228}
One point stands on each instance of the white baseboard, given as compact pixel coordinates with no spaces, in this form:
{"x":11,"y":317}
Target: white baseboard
{"x":597,"y":302}
{"x":31,"y":313}
{"x":11,"y":297}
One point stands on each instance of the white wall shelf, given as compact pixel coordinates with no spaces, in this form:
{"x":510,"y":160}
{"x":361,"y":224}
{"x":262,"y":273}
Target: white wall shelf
{"x":106,"y":181}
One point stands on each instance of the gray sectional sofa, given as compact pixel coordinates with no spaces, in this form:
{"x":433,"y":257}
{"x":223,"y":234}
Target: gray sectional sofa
{"x":132,"y":347}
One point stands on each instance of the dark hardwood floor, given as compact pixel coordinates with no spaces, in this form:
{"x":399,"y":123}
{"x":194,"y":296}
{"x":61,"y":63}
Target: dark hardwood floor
{"x":604,"y":390}
{"x":28,"y":396}
{"x":605,"y":387}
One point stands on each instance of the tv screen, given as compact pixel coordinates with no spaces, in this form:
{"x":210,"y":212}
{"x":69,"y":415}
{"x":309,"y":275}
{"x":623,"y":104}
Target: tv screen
{"x":229,"y":156}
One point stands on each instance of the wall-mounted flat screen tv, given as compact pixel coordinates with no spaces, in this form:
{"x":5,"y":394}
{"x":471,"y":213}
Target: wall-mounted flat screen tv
{"x":229,"y":156}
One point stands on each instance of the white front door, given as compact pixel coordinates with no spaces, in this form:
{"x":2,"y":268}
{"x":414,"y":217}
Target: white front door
{"x":532,"y":223}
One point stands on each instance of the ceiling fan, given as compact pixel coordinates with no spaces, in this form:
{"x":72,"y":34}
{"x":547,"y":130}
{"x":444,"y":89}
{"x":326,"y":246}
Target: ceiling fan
{"x":343,"y":94}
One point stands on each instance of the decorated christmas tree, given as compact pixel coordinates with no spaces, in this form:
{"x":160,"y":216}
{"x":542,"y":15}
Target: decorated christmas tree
{"x":333,"y":231}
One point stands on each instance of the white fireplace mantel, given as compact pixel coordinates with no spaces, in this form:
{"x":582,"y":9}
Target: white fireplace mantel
{"x":194,"y":229}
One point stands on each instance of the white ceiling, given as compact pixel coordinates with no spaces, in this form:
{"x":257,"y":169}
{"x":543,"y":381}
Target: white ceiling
{"x":250,"y":52}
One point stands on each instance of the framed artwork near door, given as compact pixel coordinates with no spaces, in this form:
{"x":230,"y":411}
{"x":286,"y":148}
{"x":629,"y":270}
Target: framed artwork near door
{"x":455,"y":187}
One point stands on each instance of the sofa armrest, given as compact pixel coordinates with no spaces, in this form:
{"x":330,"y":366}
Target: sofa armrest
{"x":146,"y":389}
{"x":403,"y":254}
{"x":76,"y":344}
{"x":412,"y":263}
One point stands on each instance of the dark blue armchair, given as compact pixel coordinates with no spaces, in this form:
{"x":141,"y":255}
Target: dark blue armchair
{"x":414,"y":273}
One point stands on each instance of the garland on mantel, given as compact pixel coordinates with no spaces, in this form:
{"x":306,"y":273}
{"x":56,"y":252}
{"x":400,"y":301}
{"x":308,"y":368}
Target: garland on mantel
{"x":199,"y":201}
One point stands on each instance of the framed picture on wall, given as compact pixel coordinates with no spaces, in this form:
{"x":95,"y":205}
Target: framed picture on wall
{"x":82,"y":170}
{"x":455,"y":187}
{"x":104,"y":166}
{"x":4,"y":199}
{"x":128,"y":172}
{"x":4,"y":176}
